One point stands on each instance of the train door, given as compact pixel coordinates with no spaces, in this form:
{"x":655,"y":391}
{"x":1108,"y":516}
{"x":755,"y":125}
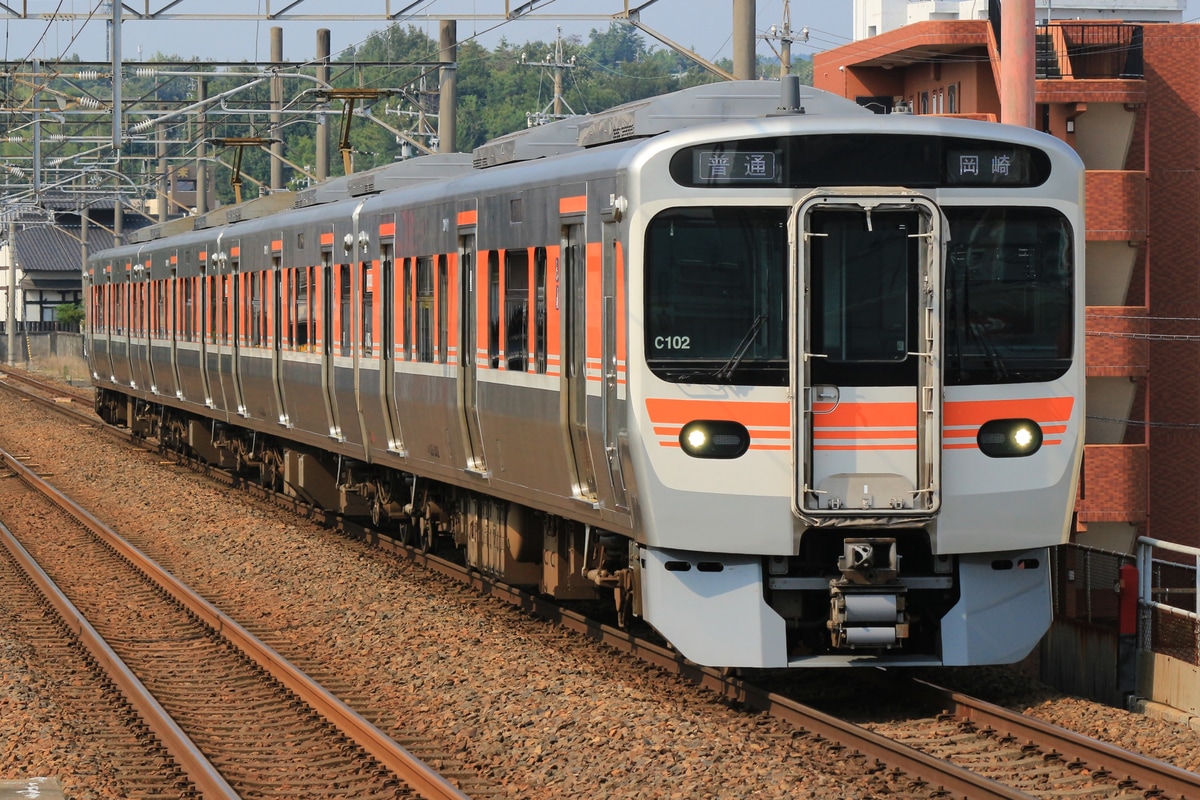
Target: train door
{"x":233,"y":296}
{"x":867,"y":416}
{"x":612,"y":368}
{"x":387,"y":347}
{"x":330,"y":299}
{"x":574,"y":325}
{"x":468,"y":388}
{"x":207,"y":327}
{"x":275,"y":298}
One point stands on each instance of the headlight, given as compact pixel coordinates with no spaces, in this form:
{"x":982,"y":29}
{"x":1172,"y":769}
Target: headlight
{"x":1009,"y":438}
{"x":706,"y":438}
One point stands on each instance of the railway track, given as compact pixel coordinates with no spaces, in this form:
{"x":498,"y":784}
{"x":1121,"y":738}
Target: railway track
{"x":973,"y":750}
{"x":238,"y":719}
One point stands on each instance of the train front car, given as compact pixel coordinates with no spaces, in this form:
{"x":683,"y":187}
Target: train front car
{"x":855,"y":372}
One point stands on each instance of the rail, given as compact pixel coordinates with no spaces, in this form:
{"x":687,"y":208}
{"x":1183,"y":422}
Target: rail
{"x":421,"y":778}
{"x":1169,"y":599}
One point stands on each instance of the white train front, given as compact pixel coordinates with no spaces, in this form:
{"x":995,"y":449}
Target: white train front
{"x":796,"y":386}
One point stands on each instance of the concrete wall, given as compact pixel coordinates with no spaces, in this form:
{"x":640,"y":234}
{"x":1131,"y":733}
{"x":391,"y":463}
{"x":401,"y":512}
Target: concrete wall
{"x":51,"y":351}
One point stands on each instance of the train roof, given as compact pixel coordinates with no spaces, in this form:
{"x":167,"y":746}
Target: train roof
{"x":640,"y":119}
{"x":699,"y":105}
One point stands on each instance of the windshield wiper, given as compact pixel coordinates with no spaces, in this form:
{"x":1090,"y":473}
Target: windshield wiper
{"x":725,"y":373}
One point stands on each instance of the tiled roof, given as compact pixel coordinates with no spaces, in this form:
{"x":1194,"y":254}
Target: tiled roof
{"x":47,"y":248}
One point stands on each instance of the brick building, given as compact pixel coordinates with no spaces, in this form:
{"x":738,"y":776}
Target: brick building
{"x":1127,"y":97}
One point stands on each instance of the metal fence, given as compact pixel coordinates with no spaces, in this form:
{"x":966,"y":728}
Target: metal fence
{"x":34,"y":326}
{"x":1086,"y":584}
{"x":1168,"y":614}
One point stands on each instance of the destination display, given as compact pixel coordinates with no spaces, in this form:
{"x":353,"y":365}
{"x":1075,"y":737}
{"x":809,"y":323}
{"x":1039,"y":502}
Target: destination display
{"x":861,"y":159}
{"x":722,"y":166}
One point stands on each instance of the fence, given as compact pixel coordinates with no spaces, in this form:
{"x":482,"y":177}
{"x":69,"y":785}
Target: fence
{"x":1086,"y":583}
{"x":35,"y":326}
{"x":1168,"y":615}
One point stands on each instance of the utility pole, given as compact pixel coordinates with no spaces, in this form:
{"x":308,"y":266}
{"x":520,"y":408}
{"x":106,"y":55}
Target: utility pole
{"x":11,"y":327}
{"x":201,"y":148}
{"x":117,"y":136}
{"x":322,"y":119}
{"x":276,"y":110}
{"x":783,"y":34}
{"x":448,"y":87}
{"x":559,"y":102}
{"x":744,"y":62}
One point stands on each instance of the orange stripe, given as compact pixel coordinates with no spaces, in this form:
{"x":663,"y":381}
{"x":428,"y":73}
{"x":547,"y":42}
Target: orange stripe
{"x":976,"y":412}
{"x":235,"y":252}
{"x":387,"y":229}
{"x":750,"y":414}
{"x":572,"y":205}
{"x":468,"y":217}
{"x":203,"y":255}
{"x":276,"y":244}
{"x":326,"y":238}
{"x":869,"y":415}
{"x":174,"y":259}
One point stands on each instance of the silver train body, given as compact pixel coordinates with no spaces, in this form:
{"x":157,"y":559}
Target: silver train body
{"x":797,"y":387}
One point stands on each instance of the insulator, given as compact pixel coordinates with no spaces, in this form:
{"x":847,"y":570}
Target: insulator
{"x":145,"y":72}
{"x":90,"y":102}
{"x":88,"y":75}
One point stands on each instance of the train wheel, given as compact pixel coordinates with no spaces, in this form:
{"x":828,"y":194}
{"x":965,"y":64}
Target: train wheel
{"x":270,"y":476}
{"x":425,"y":531}
{"x":379,"y":514}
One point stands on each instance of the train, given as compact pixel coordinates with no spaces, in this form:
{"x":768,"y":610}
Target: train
{"x":793,"y":383}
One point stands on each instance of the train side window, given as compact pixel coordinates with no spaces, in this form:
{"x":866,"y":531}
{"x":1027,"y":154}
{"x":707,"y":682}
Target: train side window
{"x":494,"y":309}
{"x":539,"y":312}
{"x":406,"y":307}
{"x":189,"y":310}
{"x":516,"y":308}
{"x":210,"y":310}
{"x":368,"y":307}
{"x":301,"y":313}
{"x":425,"y":309}
{"x":443,"y":316}
{"x":344,"y":329}
{"x":256,"y":309}
{"x":387,"y":312}
{"x":160,"y":309}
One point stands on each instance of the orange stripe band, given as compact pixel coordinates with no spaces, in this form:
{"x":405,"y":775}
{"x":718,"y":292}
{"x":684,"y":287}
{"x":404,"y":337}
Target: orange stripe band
{"x":387,"y":229}
{"x":468,"y":217}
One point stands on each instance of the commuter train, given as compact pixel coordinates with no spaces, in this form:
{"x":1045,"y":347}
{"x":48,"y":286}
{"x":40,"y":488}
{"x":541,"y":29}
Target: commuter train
{"x":794,"y":383}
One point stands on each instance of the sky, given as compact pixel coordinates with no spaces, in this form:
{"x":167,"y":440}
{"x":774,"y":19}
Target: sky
{"x":704,"y":25}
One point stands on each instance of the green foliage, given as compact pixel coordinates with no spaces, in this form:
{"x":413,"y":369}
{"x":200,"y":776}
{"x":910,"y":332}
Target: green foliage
{"x":499,"y":91}
{"x":69,"y":314}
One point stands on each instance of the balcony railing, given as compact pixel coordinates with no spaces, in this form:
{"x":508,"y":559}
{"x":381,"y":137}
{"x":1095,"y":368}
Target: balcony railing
{"x":1089,"y":51}
{"x":1085,"y":50}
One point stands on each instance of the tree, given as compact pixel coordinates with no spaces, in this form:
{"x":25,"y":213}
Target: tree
{"x":69,"y":314}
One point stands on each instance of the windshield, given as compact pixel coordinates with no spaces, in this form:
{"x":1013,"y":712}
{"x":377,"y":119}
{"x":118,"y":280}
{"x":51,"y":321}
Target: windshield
{"x":1009,"y":280}
{"x":716,"y":305}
